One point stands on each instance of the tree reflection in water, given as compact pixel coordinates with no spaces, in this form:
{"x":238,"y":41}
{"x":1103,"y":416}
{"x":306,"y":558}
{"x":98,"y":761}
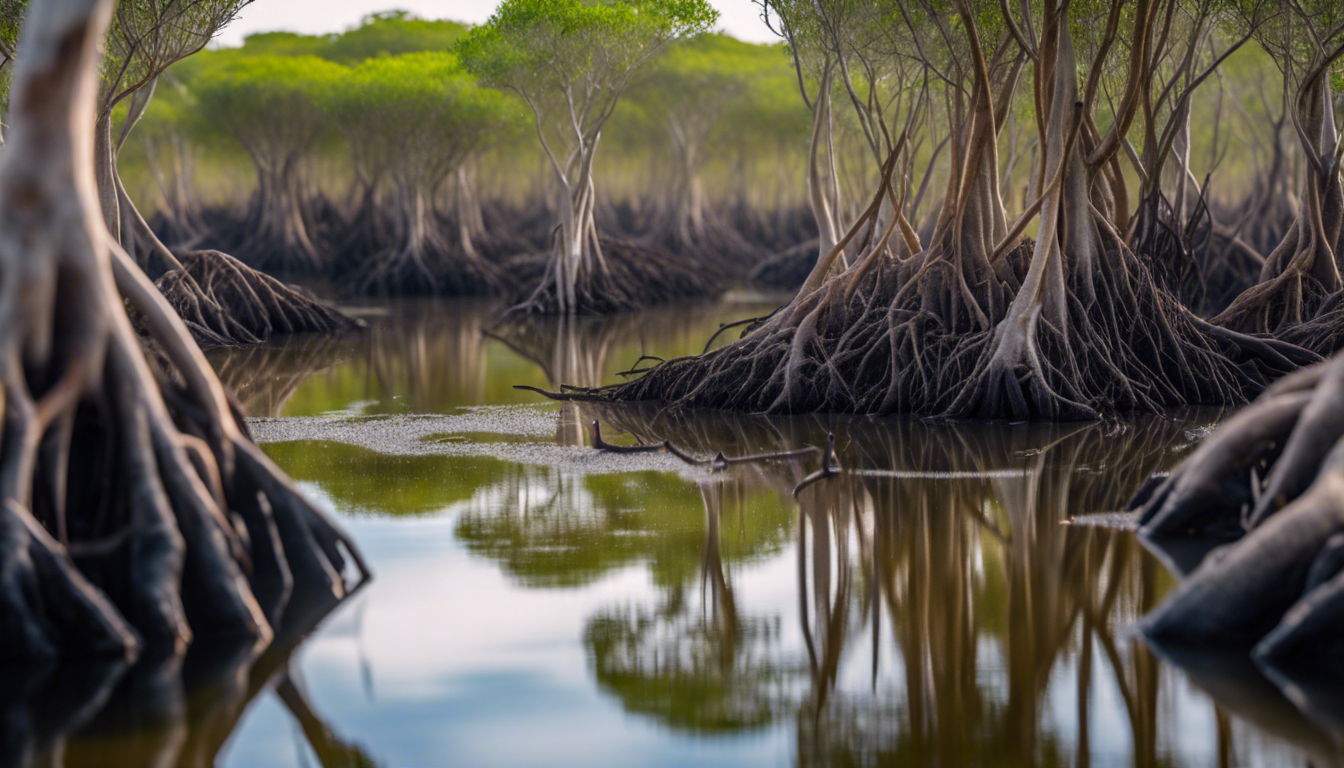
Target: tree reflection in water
{"x":694,"y":660}
{"x":571,"y":351}
{"x":263,"y":377}
{"x":934,"y":610}
{"x":415,"y":356}
{"x":176,"y":711}
{"x":945,"y":552}
{"x":430,"y":357}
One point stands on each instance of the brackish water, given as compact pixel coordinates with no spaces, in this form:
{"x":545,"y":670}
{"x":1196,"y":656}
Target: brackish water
{"x":957,"y":595}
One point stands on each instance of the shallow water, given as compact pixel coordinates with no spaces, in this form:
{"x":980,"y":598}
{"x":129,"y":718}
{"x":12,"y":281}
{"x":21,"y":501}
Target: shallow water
{"x":956,"y":595}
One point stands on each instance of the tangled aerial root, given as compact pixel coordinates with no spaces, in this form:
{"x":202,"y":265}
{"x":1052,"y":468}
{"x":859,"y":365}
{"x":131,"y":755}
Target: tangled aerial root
{"x":891,"y":343}
{"x":1324,"y":332}
{"x":1277,"y":306}
{"x":786,"y":270}
{"x":225,"y":302}
{"x":1274,"y":475}
{"x":135,"y":510}
{"x":634,"y":278}
{"x":1129,"y":346}
{"x":418,"y":272}
{"x":46,"y":604}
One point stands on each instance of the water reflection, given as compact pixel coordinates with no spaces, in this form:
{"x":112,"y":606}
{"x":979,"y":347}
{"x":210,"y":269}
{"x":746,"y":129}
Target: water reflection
{"x":571,"y":352}
{"x":264,"y":377}
{"x":548,"y":528}
{"x":947,"y":614}
{"x":433,"y":357}
{"x":174,"y":711}
{"x":952,"y":597}
{"x":694,"y":659}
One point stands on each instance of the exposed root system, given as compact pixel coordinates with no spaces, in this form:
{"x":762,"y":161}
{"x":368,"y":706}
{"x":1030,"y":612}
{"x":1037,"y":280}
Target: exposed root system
{"x":1276,"y":469}
{"x":980,"y":323}
{"x":224,"y":302}
{"x":882,"y":351}
{"x":135,"y":511}
{"x":628,"y":278}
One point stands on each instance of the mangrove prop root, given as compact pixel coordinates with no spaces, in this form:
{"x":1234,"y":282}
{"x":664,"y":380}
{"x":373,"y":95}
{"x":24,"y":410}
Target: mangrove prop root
{"x":981,"y":323}
{"x":1255,"y":463}
{"x":897,"y":343}
{"x":1238,"y":596}
{"x":629,"y":277}
{"x":225,"y":302}
{"x":181,"y":527}
{"x":1279,"y":587}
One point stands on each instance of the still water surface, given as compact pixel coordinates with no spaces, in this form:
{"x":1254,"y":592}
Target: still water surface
{"x":538,"y":603}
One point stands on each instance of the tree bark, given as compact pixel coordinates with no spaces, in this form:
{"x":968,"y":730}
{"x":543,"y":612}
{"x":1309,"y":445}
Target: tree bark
{"x":101,"y":456}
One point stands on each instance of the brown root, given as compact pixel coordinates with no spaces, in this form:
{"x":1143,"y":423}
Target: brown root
{"x":1238,"y":596}
{"x":899,"y":344}
{"x":225,"y":302}
{"x":426,"y":265}
{"x":1129,"y":346}
{"x":172,"y":514}
{"x":1276,"y":469}
{"x":1256,"y":463}
{"x":1278,"y":306}
{"x":47,"y":607}
{"x":633,"y":278}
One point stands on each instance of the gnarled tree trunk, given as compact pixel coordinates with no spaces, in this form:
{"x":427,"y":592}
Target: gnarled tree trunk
{"x":134,"y":511}
{"x":1303,"y":271}
{"x":222,"y":300}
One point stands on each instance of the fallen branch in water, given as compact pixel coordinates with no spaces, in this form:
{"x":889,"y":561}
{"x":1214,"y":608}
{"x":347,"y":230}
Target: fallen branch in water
{"x":719,"y":461}
{"x":830,"y":466}
{"x":635,"y":369}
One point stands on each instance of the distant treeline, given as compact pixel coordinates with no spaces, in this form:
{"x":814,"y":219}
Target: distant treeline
{"x":372,"y":157}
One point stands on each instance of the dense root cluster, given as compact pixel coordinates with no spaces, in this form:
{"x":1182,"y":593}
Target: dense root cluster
{"x":786,"y":270}
{"x":135,"y":510}
{"x":1272,"y":479}
{"x":367,"y":251}
{"x":224,"y":301}
{"x":630,"y":278}
{"x":892,"y":343}
{"x":1201,"y":264}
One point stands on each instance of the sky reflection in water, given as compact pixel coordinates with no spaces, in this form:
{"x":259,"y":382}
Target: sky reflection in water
{"x":928,"y":609}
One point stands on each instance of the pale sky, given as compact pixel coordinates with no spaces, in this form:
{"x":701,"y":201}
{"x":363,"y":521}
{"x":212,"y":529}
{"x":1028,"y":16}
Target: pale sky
{"x":739,"y":18}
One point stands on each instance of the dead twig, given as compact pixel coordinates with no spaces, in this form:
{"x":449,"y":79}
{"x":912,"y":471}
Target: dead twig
{"x":718,"y":462}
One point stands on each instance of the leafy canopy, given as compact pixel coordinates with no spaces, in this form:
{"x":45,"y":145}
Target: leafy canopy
{"x":272,"y":105}
{"x":569,"y":49}
{"x":419,"y":114}
{"x":393,"y":33}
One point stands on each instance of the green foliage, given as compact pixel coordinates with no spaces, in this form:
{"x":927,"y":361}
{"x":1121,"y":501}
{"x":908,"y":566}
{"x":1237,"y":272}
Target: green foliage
{"x":744,"y":99}
{"x":385,"y":485}
{"x":550,"y":48}
{"x":418,"y":115}
{"x":583,"y":528}
{"x":391,"y":34}
{"x":286,"y":44}
{"x":272,"y":105}
{"x":715,"y":95}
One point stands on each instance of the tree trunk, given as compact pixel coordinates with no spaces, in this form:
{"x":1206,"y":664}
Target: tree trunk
{"x":277,"y":229}
{"x":154,"y":486}
{"x":1303,"y":270}
{"x":467,"y":211}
